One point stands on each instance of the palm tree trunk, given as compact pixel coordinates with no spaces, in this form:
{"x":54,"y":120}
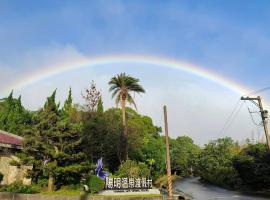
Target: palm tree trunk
{"x":125,"y":146}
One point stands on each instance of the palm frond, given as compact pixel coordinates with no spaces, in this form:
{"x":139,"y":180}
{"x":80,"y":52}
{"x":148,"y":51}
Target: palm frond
{"x":131,"y":100}
{"x":117,"y":100}
{"x":121,"y":85}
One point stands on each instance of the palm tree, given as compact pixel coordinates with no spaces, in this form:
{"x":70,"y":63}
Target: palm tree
{"x":121,"y":86}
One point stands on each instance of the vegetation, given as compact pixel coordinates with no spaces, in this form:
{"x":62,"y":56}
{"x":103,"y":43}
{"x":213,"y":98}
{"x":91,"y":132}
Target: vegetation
{"x":63,"y":143}
{"x":225,"y":163}
{"x":13,"y":118}
{"x":133,"y":169}
{"x":215,"y":162}
{"x":94,"y":183}
{"x":18,"y":187}
{"x":253,"y":166}
{"x":53,"y":145}
{"x":184,"y":156}
{"x":121,"y":86}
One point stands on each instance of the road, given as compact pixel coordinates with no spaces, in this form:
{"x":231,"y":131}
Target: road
{"x":203,"y":191}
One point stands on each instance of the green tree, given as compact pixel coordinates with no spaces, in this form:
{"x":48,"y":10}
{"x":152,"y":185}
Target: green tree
{"x":14,"y":117}
{"x":253,"y":166}
{"x":100,"y":108}
{"x":215,"y":162}
{"x":121,"y":86}
{"x":184,"y":155}
{"x":53,"y":146}
{"x":100,"y":136}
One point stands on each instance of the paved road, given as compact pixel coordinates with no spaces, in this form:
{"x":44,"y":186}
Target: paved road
{"x":202,"y":191}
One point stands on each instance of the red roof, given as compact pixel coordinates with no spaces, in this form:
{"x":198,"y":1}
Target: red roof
{"x":9,"y":138}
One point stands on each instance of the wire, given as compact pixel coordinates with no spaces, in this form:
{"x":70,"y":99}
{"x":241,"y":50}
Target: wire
{"x":231,"y":117}
{"x":252,"y":118}
{"x":234,"y":117}
{"x":258,"y":91}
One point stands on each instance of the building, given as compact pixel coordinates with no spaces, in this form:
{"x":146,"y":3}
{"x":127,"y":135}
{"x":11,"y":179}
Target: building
{"x":9,"y":145}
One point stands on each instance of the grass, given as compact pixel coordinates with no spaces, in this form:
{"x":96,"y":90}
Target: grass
{"x":63,"y":192}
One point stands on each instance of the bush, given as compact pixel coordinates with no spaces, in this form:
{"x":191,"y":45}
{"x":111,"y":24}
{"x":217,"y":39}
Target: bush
{"x":94,"y":183}
{"x":42,"y":183}
{"x":133,"y":169}
{"x":18,"y":187}
{"x":253,"y":166}
{"x":1,"y":177}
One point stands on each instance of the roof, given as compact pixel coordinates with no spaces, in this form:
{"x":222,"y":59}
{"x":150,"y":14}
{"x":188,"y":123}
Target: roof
{"x":10,"y":140}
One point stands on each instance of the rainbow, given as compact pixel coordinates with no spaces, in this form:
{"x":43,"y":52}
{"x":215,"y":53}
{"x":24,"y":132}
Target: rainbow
{"x":50,"y":71}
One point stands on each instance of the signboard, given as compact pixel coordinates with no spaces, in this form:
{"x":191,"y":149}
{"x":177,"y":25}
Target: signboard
{"x":128,"y":184}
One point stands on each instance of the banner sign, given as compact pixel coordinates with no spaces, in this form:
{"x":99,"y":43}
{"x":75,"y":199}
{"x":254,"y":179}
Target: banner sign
{"x":128,"y":183}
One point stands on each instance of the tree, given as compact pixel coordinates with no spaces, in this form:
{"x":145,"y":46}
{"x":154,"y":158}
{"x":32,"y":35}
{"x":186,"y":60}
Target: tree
{"x":14,"y":117}
{"x":121,"y":86}
{"x":100,"y":134}
{"x":100,"y":108}
{"x":53,"y":146}
{"x":215,"y":162}
{"x":184,"y":155}
{"x":253,"y":166}
{"x":91,"y":97}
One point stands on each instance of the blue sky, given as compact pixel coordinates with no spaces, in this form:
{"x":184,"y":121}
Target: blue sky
{"x":231,"y":38}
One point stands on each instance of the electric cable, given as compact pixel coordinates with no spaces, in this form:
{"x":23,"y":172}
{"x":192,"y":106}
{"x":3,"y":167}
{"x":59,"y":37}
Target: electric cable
{"x":252,"y":118}
{"x":231,"y":117}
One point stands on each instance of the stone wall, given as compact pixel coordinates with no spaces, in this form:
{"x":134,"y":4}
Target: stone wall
{"x":12,"y":173}
{"x":9,"y":196}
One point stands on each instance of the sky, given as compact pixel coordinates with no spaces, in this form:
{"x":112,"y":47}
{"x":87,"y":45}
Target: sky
{"x":227,"y":38}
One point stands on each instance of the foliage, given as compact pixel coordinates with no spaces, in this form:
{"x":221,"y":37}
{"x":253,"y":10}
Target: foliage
{"x":13,"y":116}
{"x":133,"y":169}
{"x":94,"y":183}
{"x":253,"y":166}
{"x":121,"y":86}
{"x":100,"y":108}
{"x":42,"y":182}
{"x":53,"y":145}
{"x":184,"y":155}
{"x":18,"y":187}
{"x":62,"y":143}
{"x":100,"y":136}
{"x":215,"y":162}
{"x":91,"y":96}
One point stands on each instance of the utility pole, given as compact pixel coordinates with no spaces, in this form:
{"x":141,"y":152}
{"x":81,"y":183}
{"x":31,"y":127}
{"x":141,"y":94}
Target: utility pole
{"x":264,"y":115}
{"x":168,"y":161}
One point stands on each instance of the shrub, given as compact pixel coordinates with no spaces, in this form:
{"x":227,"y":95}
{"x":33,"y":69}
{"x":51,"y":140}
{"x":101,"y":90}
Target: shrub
{"x":94,"y":183}
{"x":133,"y":169}
{"x":42,"y":182}
{"x":253,"y":166}
{"x":18,"y":187}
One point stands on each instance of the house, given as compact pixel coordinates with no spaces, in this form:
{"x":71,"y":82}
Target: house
{"x":9,"y":145}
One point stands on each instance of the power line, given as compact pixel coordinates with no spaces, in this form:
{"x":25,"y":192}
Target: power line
{"x":234,"y":117}
{"x":231,"y":117}
{"x":258,"y":91}
{"x":252,"y":118}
